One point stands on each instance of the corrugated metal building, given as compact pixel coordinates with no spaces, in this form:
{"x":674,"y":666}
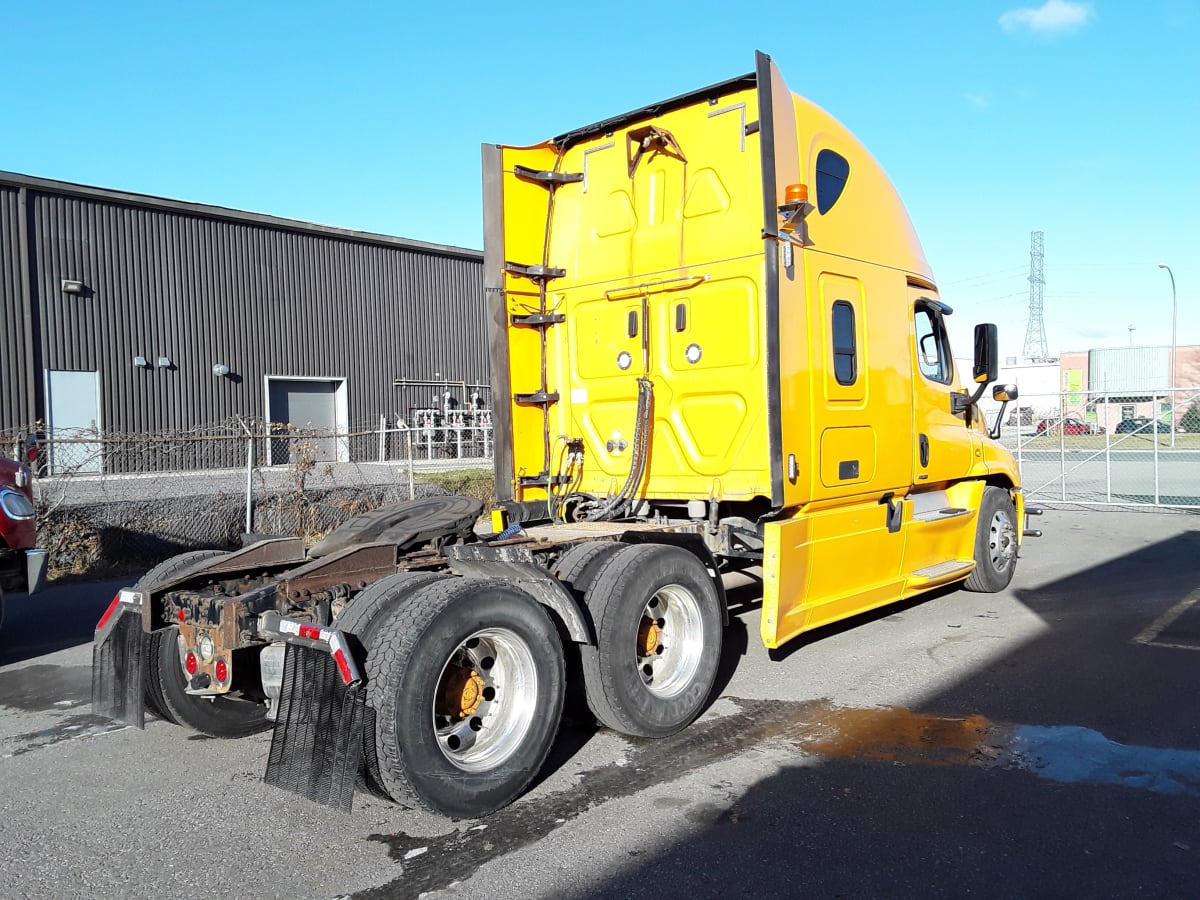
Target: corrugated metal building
{"x":141,"y":314}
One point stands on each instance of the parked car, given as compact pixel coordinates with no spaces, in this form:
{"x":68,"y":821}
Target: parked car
{"x":22,"y":565}
{"x":1142,"y":423}
{"x":1069,"y":425}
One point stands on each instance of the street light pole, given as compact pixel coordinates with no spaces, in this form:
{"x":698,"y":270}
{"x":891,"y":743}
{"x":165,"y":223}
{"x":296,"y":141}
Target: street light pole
{"x":1174,"y":319}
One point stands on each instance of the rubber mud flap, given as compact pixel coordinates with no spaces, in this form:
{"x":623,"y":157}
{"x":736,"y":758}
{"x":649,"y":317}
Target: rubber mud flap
{"x":407,"y":525}
{"x":316,"y":747}
{"x":118,"y":661}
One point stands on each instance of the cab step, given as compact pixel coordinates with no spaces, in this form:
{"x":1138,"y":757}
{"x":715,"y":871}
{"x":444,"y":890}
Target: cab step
{"x":937,"y":515}
{"x":944,"y":571}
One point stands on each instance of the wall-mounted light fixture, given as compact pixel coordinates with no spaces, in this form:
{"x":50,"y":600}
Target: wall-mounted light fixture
{"x":140,"y":362}
{"x":164,"y":362}
{"x":220,"y":370}
{"x":71,"y":286}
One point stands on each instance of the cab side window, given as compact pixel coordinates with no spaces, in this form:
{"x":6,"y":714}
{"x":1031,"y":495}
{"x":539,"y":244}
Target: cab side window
{"x":933,"y":349}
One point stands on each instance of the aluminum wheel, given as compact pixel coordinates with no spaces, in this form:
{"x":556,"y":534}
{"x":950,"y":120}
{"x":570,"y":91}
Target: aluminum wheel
{"x":485,"y":700}
{"x":1002,"y":540}
{"x":670,"y":641}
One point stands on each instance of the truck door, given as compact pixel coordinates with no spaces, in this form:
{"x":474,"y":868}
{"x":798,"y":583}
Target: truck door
{"x":943,"y":441}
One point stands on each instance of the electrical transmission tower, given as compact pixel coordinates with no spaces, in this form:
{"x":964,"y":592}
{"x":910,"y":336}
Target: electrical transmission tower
{"x":1035,"y":331}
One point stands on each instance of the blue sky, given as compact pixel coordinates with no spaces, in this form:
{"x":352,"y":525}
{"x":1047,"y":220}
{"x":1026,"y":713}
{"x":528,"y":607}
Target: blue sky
{"x":1080,"y":119}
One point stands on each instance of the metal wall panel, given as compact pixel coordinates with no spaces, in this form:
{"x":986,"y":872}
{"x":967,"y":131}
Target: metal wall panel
{"x":201,"y":286}
{"x":15,"y":406}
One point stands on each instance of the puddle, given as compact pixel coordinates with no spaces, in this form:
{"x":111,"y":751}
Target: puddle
{"x":902,"y":736}
{"x":41,"y":688}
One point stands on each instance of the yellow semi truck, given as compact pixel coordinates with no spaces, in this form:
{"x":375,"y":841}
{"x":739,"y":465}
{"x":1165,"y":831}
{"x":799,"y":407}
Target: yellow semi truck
{"x":717,"y":348}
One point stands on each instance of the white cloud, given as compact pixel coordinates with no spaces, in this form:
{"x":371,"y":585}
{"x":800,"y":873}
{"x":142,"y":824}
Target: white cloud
{"x":1051,"y":18}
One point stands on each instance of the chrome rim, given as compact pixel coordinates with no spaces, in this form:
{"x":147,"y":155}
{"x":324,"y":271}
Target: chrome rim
{"x":670,"y":638}
{"x":1002,"y":540}
{"x":485,"y":699}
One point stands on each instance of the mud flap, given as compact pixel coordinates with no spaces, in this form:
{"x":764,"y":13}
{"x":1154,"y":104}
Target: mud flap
{"x":118,"y":667}
{"x":316,"y":747}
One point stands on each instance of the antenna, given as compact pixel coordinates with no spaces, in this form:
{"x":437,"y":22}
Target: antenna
{"x":1035,"y":331}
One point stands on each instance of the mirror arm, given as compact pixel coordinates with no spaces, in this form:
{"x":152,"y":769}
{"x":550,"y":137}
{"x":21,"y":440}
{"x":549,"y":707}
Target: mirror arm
{"x":994,"y":431}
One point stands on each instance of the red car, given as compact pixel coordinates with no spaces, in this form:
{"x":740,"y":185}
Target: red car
{"x":1069,"y":425}
{"x":22,"y":567}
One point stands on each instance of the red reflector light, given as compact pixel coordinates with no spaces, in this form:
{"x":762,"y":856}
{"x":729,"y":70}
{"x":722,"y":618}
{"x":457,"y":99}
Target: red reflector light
{"x":31,"y":453}
{"x":181,"y":615}
{"x":339,"y":657}
{"x":311,"y":632}
{"x":190,"y":663}
{"x":222,"y":671}
{"x":108,"y":612}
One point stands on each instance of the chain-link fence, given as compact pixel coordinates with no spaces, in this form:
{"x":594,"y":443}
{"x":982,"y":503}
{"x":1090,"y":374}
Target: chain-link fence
{"x":120,"y":502}
{"x":1103,"y":448}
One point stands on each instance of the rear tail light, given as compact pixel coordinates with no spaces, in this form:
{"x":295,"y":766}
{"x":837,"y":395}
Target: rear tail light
{"x":190,"y":663}
{"x":222,"y":670}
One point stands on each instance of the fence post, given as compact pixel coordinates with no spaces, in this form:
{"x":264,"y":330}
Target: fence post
{"x":249,"y":475}
{"x":382,"y":437}
{"x":412,"y":494}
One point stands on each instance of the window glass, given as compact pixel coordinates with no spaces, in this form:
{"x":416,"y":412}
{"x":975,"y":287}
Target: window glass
{"x":933,"y":350}
{"x":832,"y":172}
{"x":845,"y":350}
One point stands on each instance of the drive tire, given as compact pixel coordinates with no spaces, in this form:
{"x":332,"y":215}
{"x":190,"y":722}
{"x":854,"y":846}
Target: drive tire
{"x":995,"y":543}
{"x":220,"y":716}
{"x":151,"y":677}
{"x":166,"y":692}
{"x":630,"y":687}
{"x":358,"y":621}
{"x":426,"y":653}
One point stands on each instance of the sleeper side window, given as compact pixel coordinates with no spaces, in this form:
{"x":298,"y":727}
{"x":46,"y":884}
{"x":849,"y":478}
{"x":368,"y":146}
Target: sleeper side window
{"x":933,"y":349}
{"x":832,"y":172}
{"x":845,"y":349}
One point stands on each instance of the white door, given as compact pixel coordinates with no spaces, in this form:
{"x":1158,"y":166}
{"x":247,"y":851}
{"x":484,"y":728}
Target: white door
{"x":73,"y":421}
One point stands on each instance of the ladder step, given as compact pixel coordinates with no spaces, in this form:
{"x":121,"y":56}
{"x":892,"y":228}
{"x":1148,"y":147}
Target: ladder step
{"x":534,"y":273}
{"x":548,"y":179}
{"x":539,"y":320}
{"x":945,"y":569}
{"x":539,"y":398}
{"x":936,"y":515}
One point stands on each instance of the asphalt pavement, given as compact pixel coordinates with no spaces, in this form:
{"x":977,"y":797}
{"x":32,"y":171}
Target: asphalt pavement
{"x":1038,"y":742}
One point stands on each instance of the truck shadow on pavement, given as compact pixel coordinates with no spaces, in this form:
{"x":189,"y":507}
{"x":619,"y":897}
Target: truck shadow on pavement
{"x":57,"y":618}
{"x":1099,"y":795}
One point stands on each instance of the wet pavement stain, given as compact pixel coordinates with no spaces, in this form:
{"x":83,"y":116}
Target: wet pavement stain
{"x":816,"y":729}
{"x":68,"y":729}
{"x":650,"y":763}
{"x":41,"y":688}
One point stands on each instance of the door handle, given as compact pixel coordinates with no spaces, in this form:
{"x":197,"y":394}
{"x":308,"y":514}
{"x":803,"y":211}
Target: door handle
{"x":923,"y":444}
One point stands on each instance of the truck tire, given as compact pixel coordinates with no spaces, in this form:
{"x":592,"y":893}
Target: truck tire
{"x":995,"y":543}
{"x":359,"y":620}
{"x":362,"y":614}
{"x":218,"y":716}
{"x":466,"y":679}
{"x":166,"y":690}
{"x":658,"y":640}
{"x":151,"y":677}
{"x":577,"y":568}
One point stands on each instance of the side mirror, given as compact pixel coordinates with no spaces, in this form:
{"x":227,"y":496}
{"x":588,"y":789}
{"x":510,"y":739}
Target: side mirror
{"x":1004,"y":393}
{"x":987,"y":354}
